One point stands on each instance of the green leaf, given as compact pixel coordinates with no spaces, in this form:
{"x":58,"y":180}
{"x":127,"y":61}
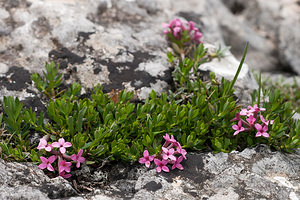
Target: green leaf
{"x":152,"y":94}
{"x":238,"y":70}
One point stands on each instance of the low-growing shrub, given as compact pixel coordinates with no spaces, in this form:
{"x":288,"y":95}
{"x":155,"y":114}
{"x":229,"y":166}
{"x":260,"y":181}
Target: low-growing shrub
{"x":198,"y":114}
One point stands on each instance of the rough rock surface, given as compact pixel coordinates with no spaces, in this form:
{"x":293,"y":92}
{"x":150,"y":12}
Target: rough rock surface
{"x":276,"y":21}
{"x":118,"y":44}
{"x":27,"y":181}
{"x":251,"y":174}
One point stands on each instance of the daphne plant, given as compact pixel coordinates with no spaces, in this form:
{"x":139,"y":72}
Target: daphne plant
{"x":184,"y":36}
{"x":252,"y":121}
{"x":168,"y":155}
{"x":60,"y":154}
{"x":184,"y":32}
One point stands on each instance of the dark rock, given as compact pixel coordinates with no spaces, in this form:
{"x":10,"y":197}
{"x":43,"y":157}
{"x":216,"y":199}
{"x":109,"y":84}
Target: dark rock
{"x":27,"y":181}
{"x":250,"y":174}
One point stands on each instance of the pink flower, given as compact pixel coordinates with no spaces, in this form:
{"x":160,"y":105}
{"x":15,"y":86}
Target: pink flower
{"x":238,"y":128}
{"x":246,"y":112}
{"x":197,"y":36}
{"x":181,"y":151}
{"x":165,"y":32}
{"x":173,"y":22}
{"x":61,"y":144}
{"x":168,"y":154}
{"x":146,"y":159}
{"x":62,"y":174}
{"x":169,"y":140}
{"x":161,"y":165}
{"x":261,"y":131}
{"x":46,"y":163}
{"x":44,"y":145}
{"x":64,"y":166}
{"x":176,"y":28}
{"x":177,"y":144}
{"x":177,"y":32}
{"x":266,"y":122}
{"x":191,"y":26}
{"x":237,"y":117}
{"x":78,"y":158}
{"x":251,"y":120}
{"x":255,"y":108}
{"x":177,"y":163}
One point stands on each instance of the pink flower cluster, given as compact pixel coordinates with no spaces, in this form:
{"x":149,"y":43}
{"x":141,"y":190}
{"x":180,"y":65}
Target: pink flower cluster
{"x":251,"y":122}
{"x":178,"y":29}
{"x":63,"y":166}
{"x":166,"y":156}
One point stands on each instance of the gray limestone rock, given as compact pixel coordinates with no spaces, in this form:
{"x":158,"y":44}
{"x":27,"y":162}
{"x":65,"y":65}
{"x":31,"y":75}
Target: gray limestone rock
{"x":227,"y":67}
{"x":276,"y":21}
{"x":27,"y":181}
{"x":120,"y":45}
{"x":117,"y":44}
{"x":251,"y":174}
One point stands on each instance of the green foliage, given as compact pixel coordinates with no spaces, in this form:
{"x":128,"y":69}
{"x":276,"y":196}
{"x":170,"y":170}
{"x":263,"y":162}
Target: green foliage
{"x":288,"y":92}
{"x":14,"y":140}
{"x":285,"y":132}
{"x":219,"y":52}
{"x":49,"y":84}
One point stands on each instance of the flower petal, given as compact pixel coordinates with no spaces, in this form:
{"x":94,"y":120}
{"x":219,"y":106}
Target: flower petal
{"x":51,"y":159}
{"x":142,"y":160}
{"x":67,"y":169}
{"x":171,"y":151}
{"x":172,"y":157}
{"x":50,"y":168}
{"x":174,"y":166}
{"x":68,"y":164}
{"x":166,"y":137}
{"x":179,"y":166}
{"x":157,"y":162}
{"x":147,"y":164}
{"x":165,"y":150}
{"x":62,"y":150}
{"x":74,"y":157}
{"x":61,"y":169}
{"x":165,"y":168}
{"x":235,"y":127}
{"x":146,"y":153}
{"x":258,"y":134}
{"x":61,"y":141}
{"x":43,"y":159}
{"x":55,"y":144}
{"x":158,"y":169}
{"x":43,"y":141}
{"x":165,"y":157}
{"x":67,"y":144}
{"x":265,"y":134}
{"x":179,"y":159}
{"x":258,"y":127}
{"x":48,"y":148}
{"x":81,"y":159}
{"x":42,"y":166}
{"x":164,"y":162}
{"x":151,"y":158}
{"x":80,"y":152}
{"x":236,"y":132}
